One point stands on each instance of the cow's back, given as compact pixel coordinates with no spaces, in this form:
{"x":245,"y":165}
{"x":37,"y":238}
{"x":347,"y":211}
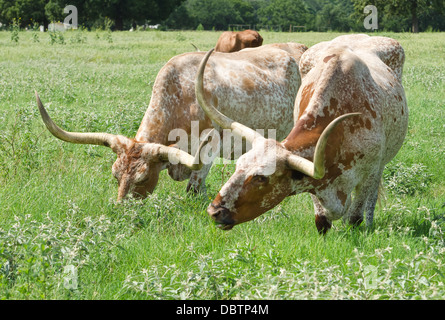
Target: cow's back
{"x":343,"y":81}
{"x":258,"y":88}
{"x":261,"y":85}
{"x":388,"y":50}
{"x":295,"y":49}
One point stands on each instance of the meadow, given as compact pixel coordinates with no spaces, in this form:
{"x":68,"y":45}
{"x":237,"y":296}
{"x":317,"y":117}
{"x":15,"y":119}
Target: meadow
{"x":63,"y":236}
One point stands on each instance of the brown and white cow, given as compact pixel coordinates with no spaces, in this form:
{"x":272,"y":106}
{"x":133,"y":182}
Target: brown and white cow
{"x":295,"y":49}
{"x":258,"y":86}
{"x":231,"y":41}
{"x":351,"y":119}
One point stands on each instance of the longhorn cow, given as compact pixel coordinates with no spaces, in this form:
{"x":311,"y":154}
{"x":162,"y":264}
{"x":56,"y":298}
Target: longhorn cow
{"x":262,"y":82}
{"x":350,"y":120}
{"x":231,"y":41}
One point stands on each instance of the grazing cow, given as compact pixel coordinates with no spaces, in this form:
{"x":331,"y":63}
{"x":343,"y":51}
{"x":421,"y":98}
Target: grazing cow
{"x":231,"y":41}
{"x":351,"y":119}
{"x":257,"y":86}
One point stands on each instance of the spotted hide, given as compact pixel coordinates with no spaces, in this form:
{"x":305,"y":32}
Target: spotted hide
{"x":351,"y":119}
{"x":258,"y":86}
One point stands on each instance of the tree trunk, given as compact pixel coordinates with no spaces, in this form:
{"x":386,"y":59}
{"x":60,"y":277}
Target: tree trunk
{"x":119,"y":23}
{"x":119,"y":17}
{"x":414,"y":19}
{"x":45,"y":24}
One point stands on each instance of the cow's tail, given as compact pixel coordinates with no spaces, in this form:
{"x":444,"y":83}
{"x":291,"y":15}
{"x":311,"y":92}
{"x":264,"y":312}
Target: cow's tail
{"x":196,"y":48}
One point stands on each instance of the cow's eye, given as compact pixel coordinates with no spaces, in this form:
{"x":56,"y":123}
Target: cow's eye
{"x":144,"y":180}
{"x":297,"y":175}
{"x":260,"y":179}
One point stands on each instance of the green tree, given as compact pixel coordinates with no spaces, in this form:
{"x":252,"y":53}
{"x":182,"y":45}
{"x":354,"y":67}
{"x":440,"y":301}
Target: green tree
{"x":401,"y":9}
{"x":181,"y":18}
{"x":220,"y":13}
{"x":138,"y":11}
{"x":53,"y":11}
{"x":335,"y":15}
{"x":25,"y":11}
{"x":120,"y":11}
{"x":284,"y":13}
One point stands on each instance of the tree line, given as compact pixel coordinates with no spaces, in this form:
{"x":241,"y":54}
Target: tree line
{"x":284,"y":15}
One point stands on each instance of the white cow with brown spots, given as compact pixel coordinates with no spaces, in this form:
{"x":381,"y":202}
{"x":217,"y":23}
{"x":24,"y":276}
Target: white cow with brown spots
{"x":351,"y":119}
{"x":258,"y":86}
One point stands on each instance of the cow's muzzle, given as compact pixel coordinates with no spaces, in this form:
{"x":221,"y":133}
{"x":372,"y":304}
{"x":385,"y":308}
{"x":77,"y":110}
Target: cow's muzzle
{"x":222,"y":216}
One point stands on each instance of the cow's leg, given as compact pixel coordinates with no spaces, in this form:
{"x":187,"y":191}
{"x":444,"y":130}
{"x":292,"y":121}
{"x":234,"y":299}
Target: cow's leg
{"x":197,"y":180}
{"x":370,"y":206}
{"x":355,"y":213}
{"x":365,"y":197}
{"x":322,"y":222}
{"x":371,"y":202}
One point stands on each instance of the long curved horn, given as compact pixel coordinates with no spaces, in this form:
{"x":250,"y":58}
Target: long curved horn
{"x":101,"y":139}
{"x":316,"y":168}
{"x":222,"y":120}
{"x":193,"y":162}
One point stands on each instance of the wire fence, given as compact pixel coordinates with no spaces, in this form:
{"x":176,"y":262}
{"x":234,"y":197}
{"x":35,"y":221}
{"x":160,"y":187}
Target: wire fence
{"x":264,"y":27}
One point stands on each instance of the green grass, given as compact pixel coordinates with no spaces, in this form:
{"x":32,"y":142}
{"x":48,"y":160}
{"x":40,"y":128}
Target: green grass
{"x":58,"y":207}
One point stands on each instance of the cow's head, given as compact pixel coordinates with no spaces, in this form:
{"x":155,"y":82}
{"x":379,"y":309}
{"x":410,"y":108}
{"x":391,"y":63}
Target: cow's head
{"x":232,"y":41}
{"x":266,"y":174}
{"x":249,"y":39}
{"x":138,"y":164}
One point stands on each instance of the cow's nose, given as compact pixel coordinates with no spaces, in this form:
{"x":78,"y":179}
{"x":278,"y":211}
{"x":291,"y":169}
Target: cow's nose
{"x":216,"y":212}
{"x":219,"y":214}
